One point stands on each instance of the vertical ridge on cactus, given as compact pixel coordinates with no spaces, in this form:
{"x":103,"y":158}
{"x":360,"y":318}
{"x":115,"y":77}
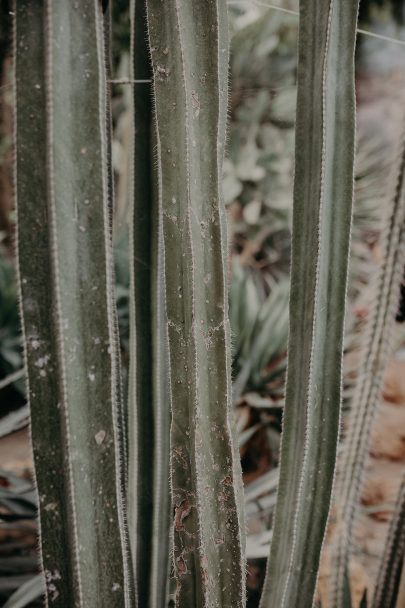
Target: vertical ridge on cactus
{"x":140,"y":393}
{"x":149,"y":405}
{"x":64,"y":259}
{"x":188,"y":42}
{"x":389,"y":576}
{"x":160,"y":562}
{"x":323,"y":193}
{"x":377,"y":347}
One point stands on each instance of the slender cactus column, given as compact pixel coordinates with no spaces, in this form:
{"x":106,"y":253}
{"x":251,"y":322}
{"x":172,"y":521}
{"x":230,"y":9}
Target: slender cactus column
{"x":376,"y":349}
{"x":189,"y":49}
{"x":149,"y":399}
{"x":323,"y":193}
{"x":392,"y":564}
{"x":67,"y":300}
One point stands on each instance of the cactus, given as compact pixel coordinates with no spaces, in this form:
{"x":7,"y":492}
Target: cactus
{"x":389,"y":576}
{"x":65,"y":278}
{"x":88,"y":452}
{"x":323,"y":193}
{"x":401,"y":590}
{"x":188,"y":42}
{"x":149,"y":406}
{"x":377,"y":347}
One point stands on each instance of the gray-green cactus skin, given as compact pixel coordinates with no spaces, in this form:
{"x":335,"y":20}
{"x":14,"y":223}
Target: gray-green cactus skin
{"x":189,"y":50}
{"x":140,"y":410}
{"x":377,"y":348}
{"x":389,"y":576}
{"x":67,"y":300}
{"x":149,"y":399}
{"x":323,"y":193}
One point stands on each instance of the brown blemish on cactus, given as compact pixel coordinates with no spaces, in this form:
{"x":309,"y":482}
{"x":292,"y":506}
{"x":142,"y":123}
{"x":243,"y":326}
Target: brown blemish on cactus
{"x":181,"y":512}
{"x":182,"y":569}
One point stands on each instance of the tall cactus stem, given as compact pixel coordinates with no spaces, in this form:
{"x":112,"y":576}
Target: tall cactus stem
{"x":149,"y":402}
{"x":323,"y":193}
{"x":64,"y":262}
{"x":189,"y":48}
{"x":389,"y":576}
{"x":376,"y":350}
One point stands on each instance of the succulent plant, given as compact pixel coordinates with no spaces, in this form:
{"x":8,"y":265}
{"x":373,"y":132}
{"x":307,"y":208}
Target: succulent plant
{"x":67,"y":300}
{"x":166,"y":459}
{"x":323,"y":193}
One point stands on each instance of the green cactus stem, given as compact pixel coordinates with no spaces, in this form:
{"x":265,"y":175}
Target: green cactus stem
{"x":389,"y":576}
{"x":323,"y":193}
{"x":189,"y":49}
{"x":67,"y":300}
{"x":149,"y":402}
{"x":377,"y":348}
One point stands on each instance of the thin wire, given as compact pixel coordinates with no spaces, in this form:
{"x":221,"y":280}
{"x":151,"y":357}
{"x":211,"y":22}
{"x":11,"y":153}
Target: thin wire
{"x":259,"y":3}
{"x":280,"y":9}
{"x":381,"y":37}
{"x":296,"y":13}
{"x":128,"y":81}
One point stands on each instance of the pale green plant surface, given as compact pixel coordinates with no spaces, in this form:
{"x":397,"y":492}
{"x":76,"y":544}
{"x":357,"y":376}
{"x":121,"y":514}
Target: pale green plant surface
{"x":177,"y":252}
{"x":65,"y":276}
{"x":188,"y":42}
{"x":320,"y":249}
{"x":149,"y":400}
{"x":377,"y":346}
{"x":391,"y":569}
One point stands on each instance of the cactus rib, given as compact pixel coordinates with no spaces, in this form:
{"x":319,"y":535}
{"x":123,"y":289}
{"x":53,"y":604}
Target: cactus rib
{"x":140,"y":410}
{"x":323,"y":193}
{"x":149,"y":405}
{"x":389,"y":575}
{"x":188,"y":41}
{"x":377,"y":347}
{"x":64,"y":260}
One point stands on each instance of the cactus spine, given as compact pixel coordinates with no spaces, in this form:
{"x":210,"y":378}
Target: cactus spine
{"x":189,"y":49}
{"x":323,"y":193}
{"x":64,"y":258}
{"x":149,"y":405}
{"x":377,"y":348}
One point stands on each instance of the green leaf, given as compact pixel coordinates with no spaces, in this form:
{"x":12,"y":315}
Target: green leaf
{"x":27,"y":593}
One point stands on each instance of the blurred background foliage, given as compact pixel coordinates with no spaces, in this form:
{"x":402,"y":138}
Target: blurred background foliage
{"x":258,"y":191}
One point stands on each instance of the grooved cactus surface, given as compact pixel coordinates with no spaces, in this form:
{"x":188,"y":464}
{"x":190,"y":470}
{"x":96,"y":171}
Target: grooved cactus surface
{"x":149,"y":399}
{"x":391,"y":569}
{"x":64,"y":258}
{"x":377,"y":348}
{"x":189,"y":49}
{"x":323,"y":193}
